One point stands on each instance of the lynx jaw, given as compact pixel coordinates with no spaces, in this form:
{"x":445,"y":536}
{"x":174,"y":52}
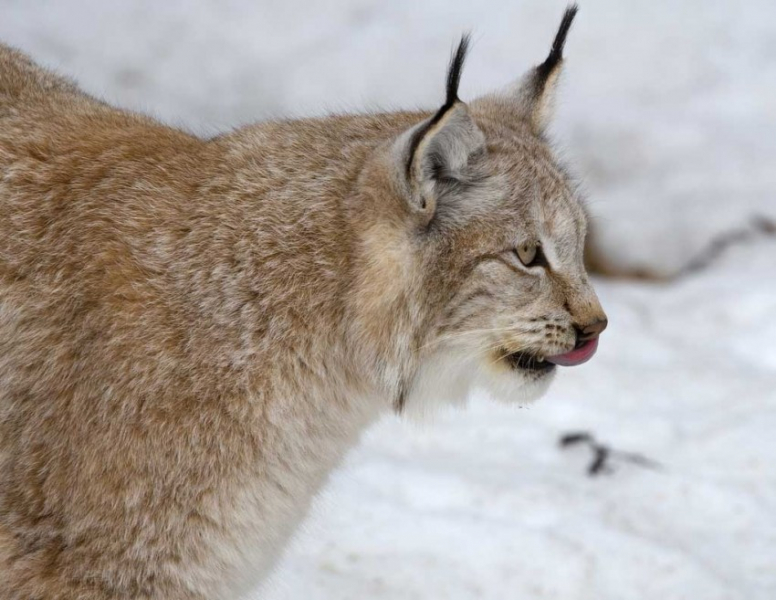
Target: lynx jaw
{"x":526,"y":361}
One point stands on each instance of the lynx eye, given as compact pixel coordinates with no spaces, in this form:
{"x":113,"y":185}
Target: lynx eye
{"x":526,"y":253}
{"x":530,"y":254}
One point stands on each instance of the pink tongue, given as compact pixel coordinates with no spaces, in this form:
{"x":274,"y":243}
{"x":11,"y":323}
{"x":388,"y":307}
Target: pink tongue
{"x":577,"y":356}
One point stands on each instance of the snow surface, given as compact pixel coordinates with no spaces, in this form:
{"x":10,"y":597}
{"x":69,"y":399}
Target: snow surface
{"x":667,"y":113}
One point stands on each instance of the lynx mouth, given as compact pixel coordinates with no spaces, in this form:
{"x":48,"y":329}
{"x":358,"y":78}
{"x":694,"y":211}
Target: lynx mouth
{"x":528,"y":362}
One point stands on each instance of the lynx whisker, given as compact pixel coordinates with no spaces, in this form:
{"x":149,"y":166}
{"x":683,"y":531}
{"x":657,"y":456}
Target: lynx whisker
{"x":473,"y":332}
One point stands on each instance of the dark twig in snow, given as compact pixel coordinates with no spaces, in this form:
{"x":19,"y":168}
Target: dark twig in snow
{"x":758,"y":226}
{"x":603,"y":453}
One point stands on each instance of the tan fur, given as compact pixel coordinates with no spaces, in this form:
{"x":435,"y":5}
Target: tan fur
{"x":193,"y":332}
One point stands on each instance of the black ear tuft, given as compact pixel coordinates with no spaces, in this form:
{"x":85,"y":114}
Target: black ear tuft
{"x":454,"y":70}
{"x":545,"y":69}
{"x":451,"y":97}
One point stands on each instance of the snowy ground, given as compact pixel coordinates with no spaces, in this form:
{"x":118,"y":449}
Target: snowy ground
{"x":668,"y":115}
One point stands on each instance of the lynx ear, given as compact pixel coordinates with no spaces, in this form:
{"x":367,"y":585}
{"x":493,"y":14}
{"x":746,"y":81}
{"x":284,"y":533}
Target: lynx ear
{"x":536,"y":90}
{"x":436,"y":152}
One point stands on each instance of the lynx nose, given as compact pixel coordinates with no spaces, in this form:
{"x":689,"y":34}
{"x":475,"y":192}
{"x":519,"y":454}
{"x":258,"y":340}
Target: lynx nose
{"x":591,"y":330}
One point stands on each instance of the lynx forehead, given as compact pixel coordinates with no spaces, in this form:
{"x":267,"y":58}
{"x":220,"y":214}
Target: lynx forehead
{"x":194,"y":331}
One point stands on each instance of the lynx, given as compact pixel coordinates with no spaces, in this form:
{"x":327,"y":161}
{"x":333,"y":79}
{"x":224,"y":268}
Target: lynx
{"x":193,"y":332}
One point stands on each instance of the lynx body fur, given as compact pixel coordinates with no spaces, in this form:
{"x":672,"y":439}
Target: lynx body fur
{"x":194,"y":332}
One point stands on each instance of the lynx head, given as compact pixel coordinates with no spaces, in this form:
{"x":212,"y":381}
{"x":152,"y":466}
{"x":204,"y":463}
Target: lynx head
{"x":478,"y":249}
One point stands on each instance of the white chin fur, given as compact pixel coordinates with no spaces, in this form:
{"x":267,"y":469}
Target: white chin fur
{"x":449,"y":377}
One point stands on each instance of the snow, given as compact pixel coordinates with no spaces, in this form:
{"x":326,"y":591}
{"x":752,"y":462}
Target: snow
{"x":667,"y":115}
